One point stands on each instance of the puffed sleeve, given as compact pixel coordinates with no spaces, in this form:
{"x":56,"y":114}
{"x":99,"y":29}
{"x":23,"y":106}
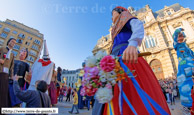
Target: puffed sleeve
{"x":137,"y":33}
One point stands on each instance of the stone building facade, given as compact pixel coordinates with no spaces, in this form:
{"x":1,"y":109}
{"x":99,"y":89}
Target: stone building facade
{"x":70,"y":77}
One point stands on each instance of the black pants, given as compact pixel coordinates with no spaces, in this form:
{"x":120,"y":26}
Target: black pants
{"x":68,"y":97}
{"x":4,"y":91}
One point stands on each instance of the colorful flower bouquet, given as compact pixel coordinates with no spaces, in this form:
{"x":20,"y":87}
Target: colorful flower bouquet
{"x":101,"y":73}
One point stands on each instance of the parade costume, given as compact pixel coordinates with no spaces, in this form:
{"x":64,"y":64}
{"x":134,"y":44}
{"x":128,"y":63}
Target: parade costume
{"x":21,"y":69}
{"x":129,"y":31}
{"x":52,"y":89}
{"x":42,"y":69}
{"x":6,"y":73}
{"x":81,"y":101}
{"x":185,"y":69}
{"x":192,"y":96}
{"x":58,"y":80}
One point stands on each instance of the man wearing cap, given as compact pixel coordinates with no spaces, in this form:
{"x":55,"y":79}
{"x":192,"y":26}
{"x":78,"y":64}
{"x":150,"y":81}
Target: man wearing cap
{"x":6,"y":71}
{"x":42,"y":69}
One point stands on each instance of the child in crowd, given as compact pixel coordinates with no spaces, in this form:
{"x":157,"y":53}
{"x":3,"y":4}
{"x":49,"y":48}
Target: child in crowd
{"x":75,"y":102}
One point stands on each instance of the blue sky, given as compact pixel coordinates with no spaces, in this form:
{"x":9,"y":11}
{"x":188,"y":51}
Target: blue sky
{"x":72,"y":27}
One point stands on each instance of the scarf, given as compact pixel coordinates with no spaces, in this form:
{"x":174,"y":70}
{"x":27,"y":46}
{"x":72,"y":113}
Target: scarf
{"x":124,"y":17}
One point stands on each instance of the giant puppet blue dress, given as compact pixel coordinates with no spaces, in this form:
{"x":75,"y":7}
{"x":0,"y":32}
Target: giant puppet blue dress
{"x":185,"y":69}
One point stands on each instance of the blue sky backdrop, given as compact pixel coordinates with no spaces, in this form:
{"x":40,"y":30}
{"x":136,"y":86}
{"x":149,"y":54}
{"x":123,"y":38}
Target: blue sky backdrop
{"x":72,"y":27}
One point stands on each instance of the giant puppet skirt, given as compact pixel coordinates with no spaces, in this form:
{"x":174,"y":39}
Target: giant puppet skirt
{"x":52,"y":93}
{"x":148,"y":83}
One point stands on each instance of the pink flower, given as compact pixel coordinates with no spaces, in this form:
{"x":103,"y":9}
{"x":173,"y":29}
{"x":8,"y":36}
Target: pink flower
{"x":90,"y":72}
{"x":109,"y":86}
{"x":107,"y":63}
{"x":83,"y":92}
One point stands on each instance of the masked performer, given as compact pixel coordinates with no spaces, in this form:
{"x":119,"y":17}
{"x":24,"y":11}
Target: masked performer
{"x":127,"y":34}
{"x":185,"y":67}
{"x":6,"y":71}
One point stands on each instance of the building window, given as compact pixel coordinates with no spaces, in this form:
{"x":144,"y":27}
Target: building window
{"x":21,"y":35}
{"x":150,"y":42}
{"x":146,"y":43}
{"x":35,"y":47}
{"x":6,"y":30}
{"x":30,"y":58}
{"x":1,"y":42}
{"x":39,"y":35}
{"x":153,"y":42}
{"x":16,"y":47}
{"x":32,"y":52}
{"x":0,"y":26}
{"x":3,"y":35}
{"x":19,"y":41}
{"x":27,"y":43}
{"x":169,"y":12}
{"x":11,"y":37}
{"x":14,"y":32}
{"x":15,"y":53}
{"x":143,"y":21}
{"x":30,"y":38}
{"x":37,"y":42}
{"x":27,"y":31}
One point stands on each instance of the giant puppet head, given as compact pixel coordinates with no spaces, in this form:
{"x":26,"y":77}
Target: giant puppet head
{"x":11,"y":42}
{"x":23,"y":53}
{"x":45,"y":56}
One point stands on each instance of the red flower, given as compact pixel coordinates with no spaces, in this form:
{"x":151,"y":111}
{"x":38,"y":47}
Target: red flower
{"x":4,"y":56}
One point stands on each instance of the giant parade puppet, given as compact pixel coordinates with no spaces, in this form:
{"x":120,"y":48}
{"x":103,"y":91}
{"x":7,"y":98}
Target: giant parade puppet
{"x":185,"y":67}
{"x":42,"y":69}
{"x":121,"y":81}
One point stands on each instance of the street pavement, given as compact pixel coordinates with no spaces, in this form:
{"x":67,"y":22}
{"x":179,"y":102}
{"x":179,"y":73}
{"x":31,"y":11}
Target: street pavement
{"x":64,"y":107}
{"x":178,"y":109}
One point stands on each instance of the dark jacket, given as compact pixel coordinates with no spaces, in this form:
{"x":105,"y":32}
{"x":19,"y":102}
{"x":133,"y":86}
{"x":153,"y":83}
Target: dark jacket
{"x":31,"y":97}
